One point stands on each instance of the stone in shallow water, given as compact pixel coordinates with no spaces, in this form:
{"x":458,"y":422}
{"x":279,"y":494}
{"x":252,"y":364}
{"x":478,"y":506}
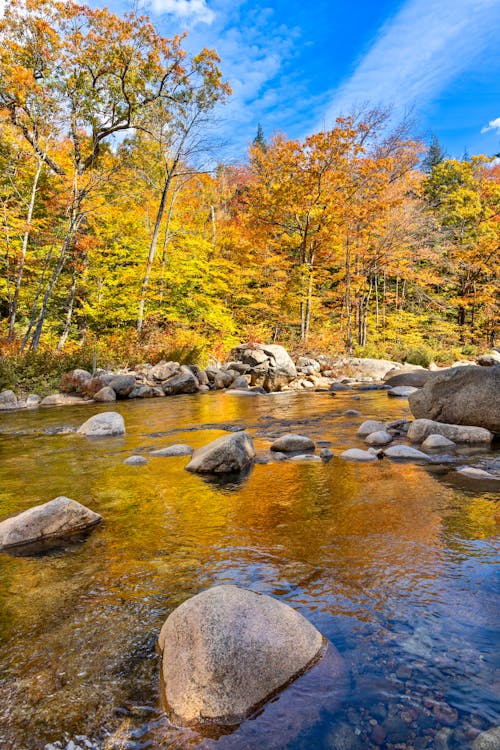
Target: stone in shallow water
{"x":369,"y":426}
{"x":180,"y":449}
{"x":355,"y":454}
{"x":136,"y":461}
{"x":227,"y":650}
{"x":420,"y":429}
{"x":104,"y":424}
{"x":228,"y":454}
{"x":290,"y":442}
{"x":380,"y":437}
{"x":434,"y":442}
{"x":401,"y":391}
{"x":57,"y":519}
{"x":489,"y":740}
{"x":405,"y":452}
{"x":474,"y":473}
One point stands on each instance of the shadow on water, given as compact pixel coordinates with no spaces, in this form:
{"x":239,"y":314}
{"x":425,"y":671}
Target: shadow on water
{"x":393,"y":563}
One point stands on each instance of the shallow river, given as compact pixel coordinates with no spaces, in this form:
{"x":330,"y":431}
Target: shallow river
{"x":394,"y":563}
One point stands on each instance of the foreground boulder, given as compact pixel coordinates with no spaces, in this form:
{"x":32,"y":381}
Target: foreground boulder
{"x":461,"y":396}
{"x":8,"y":400}
{"x":420,"y":429}
{"x":227,"y":650}
{"x":226,"y":455}
{"x":57,"y":519}
{"x":101,"y":425}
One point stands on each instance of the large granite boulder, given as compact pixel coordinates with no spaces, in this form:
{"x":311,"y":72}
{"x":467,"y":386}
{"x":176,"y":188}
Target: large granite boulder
{"x":420,"y":429}
{"x":226,"y":650}
{"x":461,"y":396}
{"x":415,"y":378}
{"x":227,"y":454}
{"x":57,"y":519}
{"x":106,"y":423}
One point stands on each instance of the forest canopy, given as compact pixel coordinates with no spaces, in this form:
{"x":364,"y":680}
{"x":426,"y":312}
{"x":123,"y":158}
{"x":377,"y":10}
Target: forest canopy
{"x":120,"y":231}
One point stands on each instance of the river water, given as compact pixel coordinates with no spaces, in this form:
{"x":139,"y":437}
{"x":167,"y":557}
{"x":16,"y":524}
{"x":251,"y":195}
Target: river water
{"x":394,"y":563}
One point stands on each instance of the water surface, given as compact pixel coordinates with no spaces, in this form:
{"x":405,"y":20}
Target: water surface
{"x":394,"y":563}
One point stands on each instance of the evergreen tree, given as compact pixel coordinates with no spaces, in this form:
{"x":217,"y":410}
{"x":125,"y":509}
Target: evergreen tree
{"x":435,"y":155}
{"x":259,"y":139}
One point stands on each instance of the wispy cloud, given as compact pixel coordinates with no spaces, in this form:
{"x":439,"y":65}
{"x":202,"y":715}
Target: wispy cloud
{"x":492,"y":125}
{"x":192,"y":11}
{"x":418,"y":53}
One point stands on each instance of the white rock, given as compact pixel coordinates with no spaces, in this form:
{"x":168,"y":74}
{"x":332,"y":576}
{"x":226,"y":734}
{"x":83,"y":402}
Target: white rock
{"x":103,"y":424}
{"x":173,"y":450}
{"x":369,"y":426}
{"x":355,"y":454}
{"x":405,"y":452}
{"x":381,"y":437}
{"x":135,"y":461}
{"x":474,"y":473}
{"x":434,"y":442}
{"x":420,"y":429}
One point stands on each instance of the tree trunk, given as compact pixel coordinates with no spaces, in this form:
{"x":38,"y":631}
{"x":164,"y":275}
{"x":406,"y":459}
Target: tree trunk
{"x":24,"y":249}
{"x":348,"y":301}
{"x":69,"y":314}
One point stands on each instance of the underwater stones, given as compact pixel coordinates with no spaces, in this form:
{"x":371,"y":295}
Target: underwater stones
{"x":291,"y":442}
{"x":489,"y":740}
{"x":473,"y":472}
{"x":227,"y":650}
{"x":180,"y":449}
{"x":107,"y":423}
{"x":58,"y":518}
{"x":228,"y":454}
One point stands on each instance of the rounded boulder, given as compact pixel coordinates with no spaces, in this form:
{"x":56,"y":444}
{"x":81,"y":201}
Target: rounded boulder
{"x":227,"y":650}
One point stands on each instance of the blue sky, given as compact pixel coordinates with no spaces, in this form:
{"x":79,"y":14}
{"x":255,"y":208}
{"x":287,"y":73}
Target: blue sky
{"x":295,"y":66}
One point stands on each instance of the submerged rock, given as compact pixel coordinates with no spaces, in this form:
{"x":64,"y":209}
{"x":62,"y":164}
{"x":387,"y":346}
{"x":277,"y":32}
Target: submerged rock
{"x":104,"y":424}
{"x":136,"y":461}
{"x":291,"y":442}
{"x":461,"y":396}
{"x":475,"y":473}
{"x":57,"y":519}
{"x":356,"y":454}
{"x":401,"y":391}
{"x":489,"y":740}
{"x":227,"y":650}
{"x":173,"y":450}
{"x":420,"y":429}
{"x":405,"y":452}
{"x":228,"y":454}
{"x":326,"y":454}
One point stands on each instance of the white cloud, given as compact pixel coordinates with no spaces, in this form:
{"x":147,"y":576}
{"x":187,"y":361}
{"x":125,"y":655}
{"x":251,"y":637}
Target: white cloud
{"x":194,"y":11}
{"x":418,"y":52}
{"x":492,"y":125}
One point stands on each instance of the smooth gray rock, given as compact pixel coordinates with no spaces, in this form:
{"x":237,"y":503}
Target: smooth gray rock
{"x":290,"y":442}
{"x":401,"y":391}
{"x":105,"y":424}
{"x":123,"y":385}
{"x":58,"y":518}
{"x":369,"y":426}
{"x":416,"y":378}
{"x":405,"y":452}
{"x":374,"y":368}
{"x":8,"y":400}
{"x":305,"y":457}
{"x":420,"y":429}
{"x":33,"y":400}
{"x":240,"y":384}
{"x":473,"y":472}
{"x":380,"y":437}
{"x":173,"y":450}
{"x":80,"y":377}
{"x":143,"y":391}
{"x":461,"y":396}
{"x":226,"y":650}
{"x":438,"y":442}
{"x":227,"y":454}
{"x":489,"y":740}
{"x":352,"y":413}
{"x":355,"y":454}
{"x":136,"y":461}
{"x":182,"y":382}
{"x":164,"y":370}
{"x":105,"y":395}
{"x":326,"y":454}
